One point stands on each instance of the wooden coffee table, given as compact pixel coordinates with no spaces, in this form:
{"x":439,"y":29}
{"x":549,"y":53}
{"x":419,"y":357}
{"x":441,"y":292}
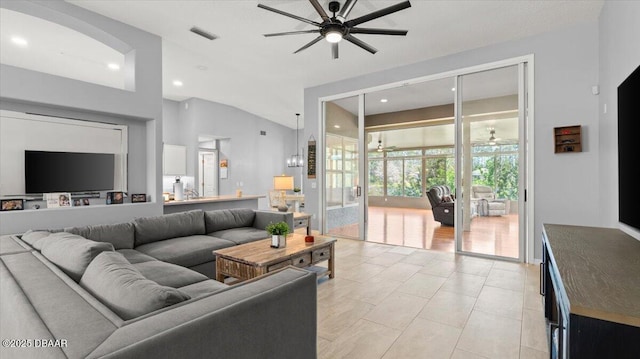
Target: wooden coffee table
{"x":253,"y":259}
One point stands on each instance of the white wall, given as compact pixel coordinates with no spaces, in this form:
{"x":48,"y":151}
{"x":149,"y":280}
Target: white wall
{"x":30,"y":91}
{"x":253,"y":159}
{"x":566,"y":67}
{"x":619,"y":56}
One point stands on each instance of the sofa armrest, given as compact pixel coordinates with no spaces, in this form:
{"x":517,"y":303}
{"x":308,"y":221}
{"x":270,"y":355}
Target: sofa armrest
{"x":271,"y":317}
{"x":263,"y":218}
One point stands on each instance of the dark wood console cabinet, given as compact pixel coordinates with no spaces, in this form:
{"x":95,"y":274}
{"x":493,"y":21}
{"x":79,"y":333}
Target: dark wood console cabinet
{"x":590,"y":280}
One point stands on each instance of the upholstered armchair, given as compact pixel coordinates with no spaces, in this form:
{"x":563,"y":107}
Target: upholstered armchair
{"x":442,"y":204}
{"x":488,"y":204}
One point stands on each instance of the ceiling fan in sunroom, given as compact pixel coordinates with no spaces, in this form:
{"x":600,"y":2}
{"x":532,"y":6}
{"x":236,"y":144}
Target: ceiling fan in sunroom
{"x":381,"y":148}
{"x":337,"y":27}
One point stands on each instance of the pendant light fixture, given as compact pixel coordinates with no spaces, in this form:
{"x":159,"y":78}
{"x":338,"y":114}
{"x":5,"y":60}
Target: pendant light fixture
{"x":296,"y":160}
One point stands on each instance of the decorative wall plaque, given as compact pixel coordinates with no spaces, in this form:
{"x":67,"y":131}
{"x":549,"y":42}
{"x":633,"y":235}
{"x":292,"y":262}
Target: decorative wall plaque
{"x":311,"y":160}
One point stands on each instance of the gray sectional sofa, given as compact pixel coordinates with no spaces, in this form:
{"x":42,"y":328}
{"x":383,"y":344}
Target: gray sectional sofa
{"x":144,"y":290}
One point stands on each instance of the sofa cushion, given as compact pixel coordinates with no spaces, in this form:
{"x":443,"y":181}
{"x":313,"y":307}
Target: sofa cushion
{"x":32,"y":237}
{"x":241,"y":235}
{"x":185,"y":251}
{"x":228,"y":218}
{"x":133,"y":256}
{"x":168,"y":274}
{"x":121,"y":287}
{"x":72,"y":253}
{"x":121,"y":235}
{"x":152,"y":229}
{"x":200,"y":289}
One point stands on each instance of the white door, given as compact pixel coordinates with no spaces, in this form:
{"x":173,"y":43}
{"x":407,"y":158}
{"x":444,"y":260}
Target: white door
{"x":208,"y":174}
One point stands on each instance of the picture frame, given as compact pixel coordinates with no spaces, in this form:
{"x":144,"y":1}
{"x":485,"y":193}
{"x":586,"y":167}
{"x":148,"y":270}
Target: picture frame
{"x":77,"y":202}
{"x":12,"y":204}
{"x":115,"y":197}
{"x":86,"y":202}
{"x":58,"y":199}
{"x":138,"y":197}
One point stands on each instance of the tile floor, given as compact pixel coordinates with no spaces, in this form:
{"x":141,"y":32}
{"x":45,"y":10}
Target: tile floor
{"x":397,"y":302}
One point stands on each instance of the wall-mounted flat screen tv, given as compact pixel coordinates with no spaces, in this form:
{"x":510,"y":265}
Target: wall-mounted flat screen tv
{"x":629,"y":150}
{"x":68,"y":171}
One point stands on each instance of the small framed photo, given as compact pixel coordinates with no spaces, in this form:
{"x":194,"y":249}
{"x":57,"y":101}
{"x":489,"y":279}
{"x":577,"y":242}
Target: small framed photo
{"x":115,"y":197}
{"x":138,"y":198}
{"x":85,"y":202}
{"x":77,"y":203}
{"x":11,"y":205}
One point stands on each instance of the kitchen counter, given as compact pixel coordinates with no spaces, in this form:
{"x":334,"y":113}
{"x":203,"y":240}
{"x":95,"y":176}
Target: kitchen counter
{"x":212,"y":203}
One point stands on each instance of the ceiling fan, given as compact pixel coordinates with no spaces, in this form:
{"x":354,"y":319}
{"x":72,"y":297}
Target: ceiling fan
{"x":384,"y":149}
{"x":493,"y":140}
{"x":337,"y":27}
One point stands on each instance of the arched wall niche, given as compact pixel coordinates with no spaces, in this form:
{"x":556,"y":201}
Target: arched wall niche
{"x":68,"y":43}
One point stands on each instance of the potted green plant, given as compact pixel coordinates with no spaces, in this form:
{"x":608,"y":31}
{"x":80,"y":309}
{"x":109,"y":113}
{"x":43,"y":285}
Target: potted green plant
{"x":296,"y":190}
{"x":278,"y":232}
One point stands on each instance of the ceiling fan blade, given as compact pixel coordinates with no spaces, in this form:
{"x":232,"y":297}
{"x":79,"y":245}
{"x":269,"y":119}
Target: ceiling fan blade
{"x":309,"y":44}
{"x":292,"y":33}
{"x":369,"y":31}
{"x":346,"y":9}
{"x":289,"y":15}
{"x":320,"y":10}
{"x":379,"y":13}
{"x":360,"y":43}
{"x":334,"y":50}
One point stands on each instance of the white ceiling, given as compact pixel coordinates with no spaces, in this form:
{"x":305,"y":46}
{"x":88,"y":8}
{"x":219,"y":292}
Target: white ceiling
{"x":262,"y":75}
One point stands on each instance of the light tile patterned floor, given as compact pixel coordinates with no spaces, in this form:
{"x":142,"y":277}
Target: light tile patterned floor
{"x":396,"y":302}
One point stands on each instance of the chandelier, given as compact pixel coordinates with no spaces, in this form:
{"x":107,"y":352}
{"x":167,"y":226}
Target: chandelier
{"x":296,"y":160}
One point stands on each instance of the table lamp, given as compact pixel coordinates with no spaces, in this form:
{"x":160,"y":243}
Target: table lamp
{"x":283,"y":183}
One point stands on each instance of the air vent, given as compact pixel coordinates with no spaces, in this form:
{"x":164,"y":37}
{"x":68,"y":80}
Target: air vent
{"x":198,"y":31}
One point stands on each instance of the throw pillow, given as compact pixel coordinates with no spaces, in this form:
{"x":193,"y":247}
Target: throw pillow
{"x":72,"y":253}
{"x":121,"y":287}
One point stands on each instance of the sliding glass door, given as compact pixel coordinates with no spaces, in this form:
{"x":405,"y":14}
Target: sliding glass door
{"x":490,"y":147}
{"x":463,"y":131}
{"x":343,"y":201}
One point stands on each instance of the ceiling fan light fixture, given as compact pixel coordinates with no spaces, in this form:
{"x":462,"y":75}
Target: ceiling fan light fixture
{"x":333,"y":36}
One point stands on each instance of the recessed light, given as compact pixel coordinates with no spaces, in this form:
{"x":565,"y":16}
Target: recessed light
{"x":20,"y":41}
{"x":453,"y":89}
{"x":384,"y":100}
{"x":336,"y":126}
{"x":177,"y":83}
{"x":113,"y":66}
{"x":201,"y":68}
